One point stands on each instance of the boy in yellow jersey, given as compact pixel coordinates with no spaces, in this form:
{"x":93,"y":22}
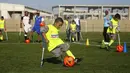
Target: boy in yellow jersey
{"x":50,"y":34}
{"x":73,"y":31}
{"x":113,"y":29}
{"x":2,"y":27}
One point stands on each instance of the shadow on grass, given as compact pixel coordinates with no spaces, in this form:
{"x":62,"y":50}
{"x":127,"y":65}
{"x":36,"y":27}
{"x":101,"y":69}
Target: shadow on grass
{"x":53,"y":60}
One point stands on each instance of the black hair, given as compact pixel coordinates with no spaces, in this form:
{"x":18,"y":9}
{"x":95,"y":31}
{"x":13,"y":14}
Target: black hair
{"x":117,"y":16}
{"x":59,"y":19}
{"x":26,"y":11}
{"x":2,"y":17}
{"x":73,"y":21}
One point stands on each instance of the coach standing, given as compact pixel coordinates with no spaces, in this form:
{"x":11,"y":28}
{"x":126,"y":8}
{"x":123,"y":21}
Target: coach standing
{"x":107,"y":19}
{"x":78,"y":27}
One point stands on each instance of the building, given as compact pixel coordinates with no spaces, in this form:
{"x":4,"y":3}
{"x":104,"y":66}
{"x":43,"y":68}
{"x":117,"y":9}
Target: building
{"x":91,"y":11}
{"x":15,"y":11}
{"x":91,"y":16}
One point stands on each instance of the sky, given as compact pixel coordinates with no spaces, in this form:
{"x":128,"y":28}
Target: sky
{"x":47,"y":4}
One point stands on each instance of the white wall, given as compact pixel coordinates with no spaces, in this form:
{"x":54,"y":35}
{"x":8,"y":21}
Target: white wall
{"x":5,"y":7}
{"x":5,"y":14}
{"x":11,"y":7}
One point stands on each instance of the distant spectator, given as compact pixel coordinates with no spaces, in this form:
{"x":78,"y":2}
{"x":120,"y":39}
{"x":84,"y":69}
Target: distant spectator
{"x":73,"y":31}
{"x":78,"y":27}
{"x":2,"y":27}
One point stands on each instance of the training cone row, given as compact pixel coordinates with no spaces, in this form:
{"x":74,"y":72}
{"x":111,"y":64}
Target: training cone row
{"x":87,"y":42}
{"x":122,"y":48}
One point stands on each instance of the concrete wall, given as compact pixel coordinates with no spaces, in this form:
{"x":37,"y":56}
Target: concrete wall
{"x":13,"y":25}
{"x":97,"y":26}
{"x":5,"y":8}
{"x":86,"y":26}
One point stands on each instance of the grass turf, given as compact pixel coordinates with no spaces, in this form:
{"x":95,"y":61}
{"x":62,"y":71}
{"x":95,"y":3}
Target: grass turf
{"x":25,"y":58}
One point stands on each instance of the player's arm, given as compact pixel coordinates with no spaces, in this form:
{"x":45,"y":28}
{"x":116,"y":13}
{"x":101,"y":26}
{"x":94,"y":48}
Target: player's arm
{"x":44,"y":30}
{"x":21,"y":22}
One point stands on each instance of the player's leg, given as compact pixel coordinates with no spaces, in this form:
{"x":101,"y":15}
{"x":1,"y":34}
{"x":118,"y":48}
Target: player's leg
{"x":28,"y":31}
{"x":57,"y":53}
{"x":104,"y":33}
{"x":1,"y":35}
{"x":38,"y":33}
{"x":112,"y":39}
{"x":65,"y":49}
{"x":106,"y":36}
{"x":31,"y":33}
{"x":25,"y":35}
{"x":25,"y":32}
{"x":78,"y":35}
{"x":73,"y":36}
{"x":61,"y":50}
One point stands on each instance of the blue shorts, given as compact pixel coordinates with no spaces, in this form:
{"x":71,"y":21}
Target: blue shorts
{"x":36,"y":29}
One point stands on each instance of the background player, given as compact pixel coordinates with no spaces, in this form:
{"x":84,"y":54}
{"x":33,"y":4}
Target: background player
{"x":73,"y":31}
{"x":26,"y":22}
{"x":113,"y":29}
{"x":36,"y":28}
{"x":2,"y":27}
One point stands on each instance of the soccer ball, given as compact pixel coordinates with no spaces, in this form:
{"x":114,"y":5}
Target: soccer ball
{"x":42,"y":24}
{"x":27,"y":41}
{"x":119,"y":48}
{"x":69,"y":61}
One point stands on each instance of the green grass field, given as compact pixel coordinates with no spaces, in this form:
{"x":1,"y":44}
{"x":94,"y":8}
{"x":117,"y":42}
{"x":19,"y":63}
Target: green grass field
{"x":17,"y":57}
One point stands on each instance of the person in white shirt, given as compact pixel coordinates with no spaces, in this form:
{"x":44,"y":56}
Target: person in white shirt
{"x":25,"y":21}
{"x":78,"y":27}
